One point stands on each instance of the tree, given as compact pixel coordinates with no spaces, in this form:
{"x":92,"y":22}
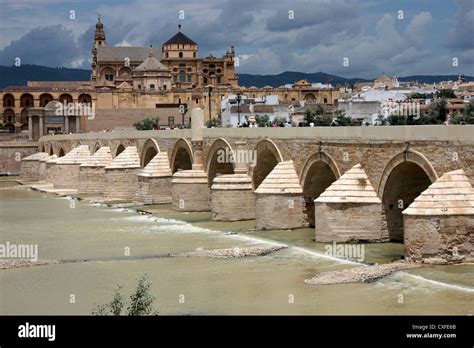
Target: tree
{"x":147,"y":124}
{"x":141,"y":301}
{"x":396,"y":120}
{"x":445,"y":94}
{"x":381,"y":120}
{"x":341,"y":119}
{"x":213,"y":122}
{"x":467,"y":116}
{"x":262,"y":121}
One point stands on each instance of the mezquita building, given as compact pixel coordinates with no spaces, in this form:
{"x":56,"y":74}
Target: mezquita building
{"x":129,"y":84}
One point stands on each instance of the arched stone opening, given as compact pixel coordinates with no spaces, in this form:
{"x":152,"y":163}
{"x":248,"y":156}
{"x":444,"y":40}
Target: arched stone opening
{"x":27,"y":101}
{"x":45,"y":98}
{"x":51,"y":151}
{"x":319,"y":172}
{"x":268,"y":156}
{"x":9,"y":116}
{"x":219,"y":160}
{"x":42,"y":147}
{"x":8,"y":101}
{"x":61,"y":152}
{"x":404,"y":178}
{"x":182,"y":156}
{"x":96,"y":147}
{"x":150,"y":150}
{"x":84,"y":99}
{"x":120,"y":149}
{"x":65,"y":98}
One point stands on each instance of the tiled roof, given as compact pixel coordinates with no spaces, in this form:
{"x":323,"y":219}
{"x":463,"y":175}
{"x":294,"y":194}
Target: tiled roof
{"x":135,"y":54}
{"x":281,"y":180}
{"x":352,"y":187}
{"x":151,"y":64}
{"x":36,"y":157}
{"x":232,"y":182}
{"x":180,"y":39}
{"x":451,"y":194}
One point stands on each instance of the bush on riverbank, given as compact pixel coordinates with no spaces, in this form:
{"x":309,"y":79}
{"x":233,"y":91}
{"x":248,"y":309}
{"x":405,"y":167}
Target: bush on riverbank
{"x":140,"y":303}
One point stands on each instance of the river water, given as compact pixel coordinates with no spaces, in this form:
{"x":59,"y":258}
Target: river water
{"x":95,"y":238}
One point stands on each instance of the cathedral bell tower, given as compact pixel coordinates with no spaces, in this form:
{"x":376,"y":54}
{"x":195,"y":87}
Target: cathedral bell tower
{"x":99,"y":41}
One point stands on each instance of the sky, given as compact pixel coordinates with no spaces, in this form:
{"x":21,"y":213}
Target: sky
{"x":350,"y":38}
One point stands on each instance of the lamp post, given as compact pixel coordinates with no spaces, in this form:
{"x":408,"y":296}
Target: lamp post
{"x":239,"y":98}
{"x":209,"y":97}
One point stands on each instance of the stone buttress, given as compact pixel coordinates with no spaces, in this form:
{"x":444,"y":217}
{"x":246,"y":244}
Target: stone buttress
{"x":92,"y":172}
{"x":31,"y":167}
{"x":65,"y":175}
{"x":121,"y":175}
{"x":154,"y":182}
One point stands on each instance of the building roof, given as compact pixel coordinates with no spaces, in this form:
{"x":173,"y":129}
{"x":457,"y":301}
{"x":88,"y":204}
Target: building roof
{"x":451,"y":194}
{"x":352,"y":187}
{"x":128,"y":158}
{"x":281,"y":180}
{"x":180,"y":39}
{"x":159,"y":166}
{"x":151,"y":63}
{"x":101,"y":158}
{"x":59,"y":84}
{"x":119,"y":53}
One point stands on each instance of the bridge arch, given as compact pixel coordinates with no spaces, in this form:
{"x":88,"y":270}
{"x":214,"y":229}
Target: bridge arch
{"x":150,"y":150}
{"x":404,"y":177}
{"x":61,"y":152}
{"x":217,"y":161}
{"x":182,"y":155}
{"x":97,"y":146}
{"x":319,"y":172}
{"x":119,"y":150}
{"x":268,"y":155}
{"x":51,"y":150}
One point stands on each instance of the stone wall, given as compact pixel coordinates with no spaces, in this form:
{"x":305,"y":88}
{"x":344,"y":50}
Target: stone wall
{"x":66,"y":176}
{"x":121,"y":183}
{"x":92,"y":180}
{"x":349,"y":222}
{"x":439,"y":239}
{"x":191,"y":197}
{"x":280,"y":212}
{"x":11,"y":154}
{"x":30,"y":171}
{"x":232,"y":205}
{"x":154,"y":190}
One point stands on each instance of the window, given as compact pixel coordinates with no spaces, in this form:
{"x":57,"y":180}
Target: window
{"x":170,"y":121}
{"x":175,"y":78}
{"x":179,"y":101}
{"x":166,"y":55}
{"x":197,"y":100}
{"x":27,"y":103}
{"x":189,"y":78}
{"x":325,"y":100}
{"x":100,"y":43}
{"x":139,"y":86}
{"x":219,"y":79}
{"x":109,"y":77}
{"x":180,"y":54}
{"x":152,"y":86}
{"x":205,"y":80}
{"x":164,"y":87}
{"x":182,"y":75}
{"x":194,"y":54}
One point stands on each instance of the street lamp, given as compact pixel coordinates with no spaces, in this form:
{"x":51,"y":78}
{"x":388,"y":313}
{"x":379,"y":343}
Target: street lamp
{"x":239,"y":99}
{"x":209,"y":95}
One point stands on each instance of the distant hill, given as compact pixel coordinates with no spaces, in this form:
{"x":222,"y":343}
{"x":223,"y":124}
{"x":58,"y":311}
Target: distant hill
{"x":18,"y":76}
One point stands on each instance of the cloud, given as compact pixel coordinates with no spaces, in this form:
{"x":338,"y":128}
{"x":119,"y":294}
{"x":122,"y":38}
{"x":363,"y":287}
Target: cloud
{"x":418,"y":27}
{"x":50,"y":46}
{"x":461,"y":36}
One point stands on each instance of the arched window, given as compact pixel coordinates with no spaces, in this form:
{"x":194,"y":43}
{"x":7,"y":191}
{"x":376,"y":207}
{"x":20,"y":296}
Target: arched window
{"x":8,"y":100}
{"x":26,"y":101}
{"x":180,"y":54}
{"x":182,"y":74}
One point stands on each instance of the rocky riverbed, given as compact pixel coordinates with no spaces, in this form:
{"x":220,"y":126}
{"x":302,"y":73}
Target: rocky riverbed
{"x":15,"y":263}
{"x":232,"y":252}
{"x":364,"y":274}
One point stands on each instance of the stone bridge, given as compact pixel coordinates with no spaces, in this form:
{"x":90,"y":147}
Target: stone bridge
{"x":394,"y":164}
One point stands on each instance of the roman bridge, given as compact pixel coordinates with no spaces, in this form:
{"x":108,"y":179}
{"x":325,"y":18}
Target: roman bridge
{"x":400,"y":161}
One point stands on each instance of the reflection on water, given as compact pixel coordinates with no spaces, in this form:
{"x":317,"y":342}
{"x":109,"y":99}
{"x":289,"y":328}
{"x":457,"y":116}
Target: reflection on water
{"x":257,"y":285}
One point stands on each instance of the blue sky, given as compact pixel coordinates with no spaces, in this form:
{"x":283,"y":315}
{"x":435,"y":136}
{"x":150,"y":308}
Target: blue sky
{"x":318,"y":37}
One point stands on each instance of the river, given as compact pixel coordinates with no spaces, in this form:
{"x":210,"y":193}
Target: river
{"x":96,"y":238}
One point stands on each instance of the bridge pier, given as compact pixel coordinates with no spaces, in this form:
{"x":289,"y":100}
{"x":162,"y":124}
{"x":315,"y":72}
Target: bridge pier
{"x":279,"y":200}
{"x":190,"y":188}
{"x":121,"y":176}
{"x":30,"y":170}
{"x":65,"y":175}
{"x":92,"y":172}
{"x":232,"y":197}
{"x":154,"y":182}
{"x":439,"y":224}
{"x":349,"y":210}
